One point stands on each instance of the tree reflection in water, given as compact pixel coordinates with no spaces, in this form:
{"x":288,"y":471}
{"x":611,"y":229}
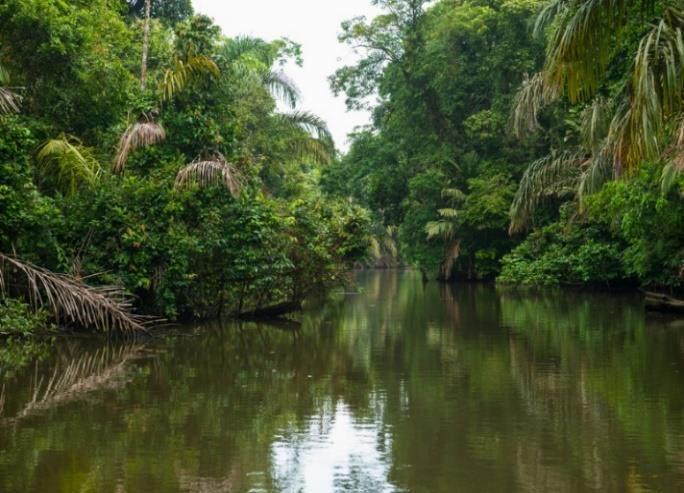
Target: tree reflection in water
{"x":403,"y":387}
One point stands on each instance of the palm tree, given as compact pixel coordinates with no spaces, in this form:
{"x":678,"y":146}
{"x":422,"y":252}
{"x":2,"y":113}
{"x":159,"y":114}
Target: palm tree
{"x":446,"y":228}
{"x":176,"y":78}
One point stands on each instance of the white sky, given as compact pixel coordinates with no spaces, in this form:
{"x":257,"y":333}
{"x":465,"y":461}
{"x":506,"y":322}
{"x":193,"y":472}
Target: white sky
{"x":314,"y":24}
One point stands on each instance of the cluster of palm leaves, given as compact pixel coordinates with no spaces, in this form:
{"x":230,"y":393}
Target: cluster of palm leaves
{"x":642,"y":121}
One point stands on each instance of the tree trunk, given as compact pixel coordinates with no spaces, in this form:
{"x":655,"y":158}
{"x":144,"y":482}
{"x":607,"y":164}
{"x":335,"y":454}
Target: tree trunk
{"x":146,"y":43}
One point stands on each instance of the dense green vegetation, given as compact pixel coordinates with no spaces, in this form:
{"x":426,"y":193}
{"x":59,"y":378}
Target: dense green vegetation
{"x":144,"y":149}
{"x":529,"y":141}
{"x":536,"y":142}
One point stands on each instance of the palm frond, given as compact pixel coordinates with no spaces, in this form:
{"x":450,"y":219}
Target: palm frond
{"x":308,"y":122}
{"x":534,"y":94}
{"x":595,"y":124}
{"x":105,"y":308}
{"x":548,"y":13}
{"x":670,"y":175}
{"x":210,"y":172}
{"x":183,"y":72}
{"x":68,"y":162}
{"x":598,"y":171}
{"x":448,"y":212}
{"x":674,"y":160}
{"x":580,"y":43}
{"x":307,"y":148}
{"x":281,"y":87}
{"x":453,"y":194}
{"x":555,"y":174}
{"x":139,"y":134}
{"x":655,"y":92}
{"x":235,"y":48}
{"x":9,"y":100}
{"x":440,"y":229}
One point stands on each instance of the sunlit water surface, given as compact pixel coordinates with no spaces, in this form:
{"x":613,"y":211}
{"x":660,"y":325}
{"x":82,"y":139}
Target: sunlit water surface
{"x":401,"y":386}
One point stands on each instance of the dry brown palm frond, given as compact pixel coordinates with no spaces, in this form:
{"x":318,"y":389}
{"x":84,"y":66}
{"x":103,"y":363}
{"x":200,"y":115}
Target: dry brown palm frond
{"x":9,"y":101}
{"x":139,"y":134}
{"x":105,"y":308}
{"x":215,"y":171}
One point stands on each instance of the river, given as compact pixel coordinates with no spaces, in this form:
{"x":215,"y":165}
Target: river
{"x":393,"y":386}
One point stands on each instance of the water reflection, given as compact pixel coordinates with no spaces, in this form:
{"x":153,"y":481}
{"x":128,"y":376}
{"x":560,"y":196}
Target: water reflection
{"x":404,"y":386}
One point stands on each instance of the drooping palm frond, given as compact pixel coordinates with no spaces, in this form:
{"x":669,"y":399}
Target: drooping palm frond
{"x":307,"y":148}
{"x":68,"y":162}
{"x":318,"y":145}
{"x":580,"y":43}
{"x":597,"y":171}
{"x":595,"y":124}
{"x":281,"y":87}
{"x":534,"y":94}
{"x":453,"y":194}
{"x":215,"y":171}
{"x":555,"y":174}
{"x":9,"y":100}
{"x":674,"y":159}
{"x":105,"y":308}
{"x":670,"y":175}
{"x":139,"y":134}
{"x":548,"y":13}
{"x":440,"y":228}
{"x":655,"y":92}
{"x":309,"y":122}
{"x":183,"y":72}
{"x":445,"y":227}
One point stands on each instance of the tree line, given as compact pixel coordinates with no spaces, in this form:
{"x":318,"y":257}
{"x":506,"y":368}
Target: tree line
{"x":526,"y":141}
{"x":144,"y":165}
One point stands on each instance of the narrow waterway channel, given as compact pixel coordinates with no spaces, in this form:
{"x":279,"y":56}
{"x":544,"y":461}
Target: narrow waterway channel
{"x":398,"y":386}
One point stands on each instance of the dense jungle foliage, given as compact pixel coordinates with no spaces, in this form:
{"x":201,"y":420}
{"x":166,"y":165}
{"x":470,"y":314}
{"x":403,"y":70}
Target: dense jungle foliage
{"x":530,"y":141}
{"x":521,"y":140}
{"x":142,"y":148}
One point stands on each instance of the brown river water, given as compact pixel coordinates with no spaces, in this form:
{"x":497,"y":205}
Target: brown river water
{"x":395,"y":386}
